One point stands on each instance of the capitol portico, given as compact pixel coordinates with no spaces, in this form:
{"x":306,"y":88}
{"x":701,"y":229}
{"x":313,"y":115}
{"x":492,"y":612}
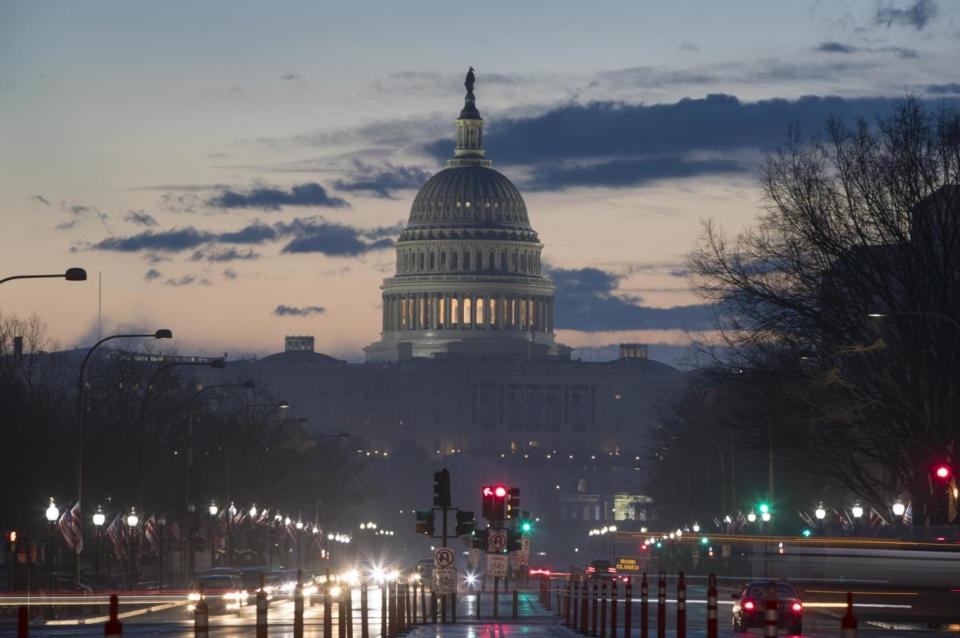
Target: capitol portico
{"x":469,"y":279}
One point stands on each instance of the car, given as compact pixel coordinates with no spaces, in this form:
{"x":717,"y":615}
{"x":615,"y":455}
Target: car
{"x":750,"y":603}
{"x":601,"y":570}
{"x":222,"y":590}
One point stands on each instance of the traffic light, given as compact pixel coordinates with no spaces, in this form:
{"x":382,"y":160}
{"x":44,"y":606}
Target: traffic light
{"x":425,"y":520}
{"x":441,"y":488}
{"x":513,"y":502}
{"x":943,"y":472}
{"x":11,"y":537}
{"x":465,"y":523}
{"x":764,"y":508}
{"x":513,"y":541}
{"x":704,"y":540}
{"x":480,"y":539}
{"x":494,"y":501}
{"x":526,"y":527}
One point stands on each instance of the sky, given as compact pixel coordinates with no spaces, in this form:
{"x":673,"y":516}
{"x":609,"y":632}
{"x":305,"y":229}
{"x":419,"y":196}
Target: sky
{"x":238,"y":171}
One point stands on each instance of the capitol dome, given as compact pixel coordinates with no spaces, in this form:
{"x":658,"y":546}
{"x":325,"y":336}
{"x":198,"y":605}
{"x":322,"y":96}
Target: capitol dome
{"x":468,"y":278}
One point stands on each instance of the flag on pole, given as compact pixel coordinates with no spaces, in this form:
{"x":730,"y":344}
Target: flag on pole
{"x":176,"y":532}
{"x":70,"y":529}
{"x":118,"y":537}
{"x":150,"y":533}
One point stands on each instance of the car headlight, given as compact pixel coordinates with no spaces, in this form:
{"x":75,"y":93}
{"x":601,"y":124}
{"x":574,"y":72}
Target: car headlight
{"x":335,"y":591}
{"x":193,"y":596}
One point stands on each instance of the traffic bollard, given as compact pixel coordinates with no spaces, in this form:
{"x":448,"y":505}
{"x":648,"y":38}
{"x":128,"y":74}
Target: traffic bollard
{"x":341,"y":613}
{"x":770,"y":616}
{"x":443,"y":609}
{"x":546,"y":591}
{"x":383,"y":611}
{"x":328,"y":609}
{"x":574,"y":604}
{"x":849,"y":622}
{"x":559,"y":601}
{"x":681,"y":607}
{"x":628,"y":608}
{"x":644,"y":607}
{"x":364,"y":611}
{"x":584,"y":608}
{"x":712,"y":617}
{"x":261,"y":610}
{"x":453,"y":608}
{"x":566,"y":604}
{"x":516,"y":604}
{"x":391,"y":611}
{"x":401,"y":612}
{"x":348,"y":607}
{"x":298,"y":607}
{"x":23,"y":622}
{"x":413,"y":604}
{"x":662,"y":605}
{"x":603,"y":609}
{"x":613,"y":608}
{"x":112,"y":627}
{"x":201,"y":619}
{"x":496,"y":597}
{"x":423,"y":603}
{"x":594,"y":604}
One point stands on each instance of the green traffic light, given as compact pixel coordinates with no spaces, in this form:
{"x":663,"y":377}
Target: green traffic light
{"x":764,"y":508}
{"x":806,"y":533}
{"x":526,"y":526}
{"x":659,"y":544}
{"x":704,"y":541}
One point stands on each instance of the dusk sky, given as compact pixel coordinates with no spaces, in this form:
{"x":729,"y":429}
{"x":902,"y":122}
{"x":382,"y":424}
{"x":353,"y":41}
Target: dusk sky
{"x":238,"y":171}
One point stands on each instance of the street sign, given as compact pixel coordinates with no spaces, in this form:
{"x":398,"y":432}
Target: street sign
{"x":443,"y":557}
{"x":496,"y":540}
{"x":496,"y":565}
{"x":473,"y":558}
{"x":628,"y":565}
{"x":445,"y":580}
{"x":725,"y":551}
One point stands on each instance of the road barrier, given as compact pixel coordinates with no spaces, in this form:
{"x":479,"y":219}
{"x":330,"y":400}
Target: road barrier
{"x":328,"y":610}
{"x":644,"y":607}
{"x":681,"y":607}
{"x":262,"y":622}
{"x":613,"y":609}
{"x":662,"y":605}
{"x":364,"y":611}
{"x":603,"y":609}
{"x":516,"y":605}
{"x":771,"y":614}
{"x":595,"y":603}
{"x":628,"y":608}
{"x":712,"y":606}
{"x":23,"y":622}
{"x":848,"y":624}
{"x":298,"y":607}
{"x":423,"y":603}
{"x":201,"y":619}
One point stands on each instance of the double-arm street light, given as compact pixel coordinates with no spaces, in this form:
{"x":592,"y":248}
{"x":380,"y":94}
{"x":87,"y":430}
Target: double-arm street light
{"x":72,"y":274}
{"x":163,"y":333}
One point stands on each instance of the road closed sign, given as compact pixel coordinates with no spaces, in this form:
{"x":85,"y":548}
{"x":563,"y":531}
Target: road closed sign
{"x":628,"y":565}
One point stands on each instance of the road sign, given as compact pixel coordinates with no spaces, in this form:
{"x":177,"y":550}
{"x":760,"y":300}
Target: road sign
{"x":496,"y":565}
{"x":725,"y":551}
{"x":628,"y":565}
{"x":445,"y":580}
{"x":473,"y":558}
{"x":443,"y":557}
{"x":496,"y":540}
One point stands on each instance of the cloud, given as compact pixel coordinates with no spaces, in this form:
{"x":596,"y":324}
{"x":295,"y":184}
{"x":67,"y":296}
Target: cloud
{"x":67,"y":225}
{"x":291,"y":76}
{"x":187,"y":280}
{"x":951,"y":88}
{"x":268,"y":198}
{"x":140,"y":218}
{"x":622,"y":173}
{"x":295,"y":311}
{"x":152,"y":274}
{"x":917,"y":15}
{"x":382,"y":181}
{"x":305,"y":234}
{"x":586,"y":300}
{"x":836,"y":47}
{"x":316,"y":235}
{"x":224,"y":254}
{"x":230,"y":273}
{"x":41,"y":199}
{"x":688,"y":46}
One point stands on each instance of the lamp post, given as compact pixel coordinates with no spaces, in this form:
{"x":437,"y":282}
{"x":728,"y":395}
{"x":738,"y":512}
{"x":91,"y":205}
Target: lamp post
{"x":247,"y":385}
{"x":52,"y":514}
{"x":212,"y":510}
{"x":218,"y":363}
{"x":98,"y":520}
{"x":162,"y":333}
{"x":71,"y":274}
{"x":132,"y":521}
{"x":280,"y":405}
{"x":857,"y":511}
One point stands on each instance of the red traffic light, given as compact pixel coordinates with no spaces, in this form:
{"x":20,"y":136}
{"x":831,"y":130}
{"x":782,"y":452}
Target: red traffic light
{"x":942,"y":472}
{"x":498,"y":491}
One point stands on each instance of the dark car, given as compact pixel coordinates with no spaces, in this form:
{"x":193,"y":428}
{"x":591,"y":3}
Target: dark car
{"x":750,"y":605}
{"x":601,"y":570}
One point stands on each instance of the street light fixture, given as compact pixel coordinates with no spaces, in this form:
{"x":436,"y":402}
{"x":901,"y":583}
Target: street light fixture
{"x":857,"y":510}
{"x":752,"y":516}
{"x":765,"y":517}
{"x":98,"y":520}
{"x":820,"y":512}
{"x":53,"y":512}
{"x":253,"y":511}
{"x":213,"y":509}
{"x":71,"y":274}
{"x":132,"y":519}
{"x":899,"y":509}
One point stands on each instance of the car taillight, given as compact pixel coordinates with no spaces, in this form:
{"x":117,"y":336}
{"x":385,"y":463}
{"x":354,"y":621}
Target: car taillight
{"x":797,"y":608}
{"x":748,"y":605}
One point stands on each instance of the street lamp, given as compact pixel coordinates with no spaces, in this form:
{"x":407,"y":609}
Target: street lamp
{"x":899,"y":509}
{"x":71,"y":274}
{"x":132,"y":521}
{"x":52,"y":514}
{"x":253,"y":511}
{"x":162,"y":333}
{"x":213,"y":509}
{"x":857,"y":510}
{"x":820,"y":512}
{"x":98,"y":520}
{"x":752,"y":516}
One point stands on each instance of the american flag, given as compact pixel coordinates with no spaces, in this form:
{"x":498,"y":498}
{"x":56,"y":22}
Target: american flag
{"x":116,"y":531}
{"x":176,"y":532}
{"x":150,"y":533}
{"x":69,"y":525}
{"x":264,"y":517}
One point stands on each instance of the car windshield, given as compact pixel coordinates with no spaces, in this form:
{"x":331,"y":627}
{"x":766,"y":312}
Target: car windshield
{"x":217,"y":582}
{"x":760,"y":591}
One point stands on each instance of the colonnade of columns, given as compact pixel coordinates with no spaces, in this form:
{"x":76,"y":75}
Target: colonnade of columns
{"x":460,"y":311}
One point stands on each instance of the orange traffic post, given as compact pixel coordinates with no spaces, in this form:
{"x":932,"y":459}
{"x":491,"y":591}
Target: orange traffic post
{"x":201,"y":619}
{"x":712,"y":606}
{"x":603,"y":609}
{"x":662,"y":605}
{"x":261,"y":610}
{"x":628,"y":608}
{"x":771,"y":614}
{"x":681,"y":607}
{"x":849,"y":622}
{"x":23,"y":622}
{"x":613,"y":609}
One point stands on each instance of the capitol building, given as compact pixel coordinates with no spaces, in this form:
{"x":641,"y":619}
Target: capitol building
{"x":467,"y":369}
{"x":469,"y":279}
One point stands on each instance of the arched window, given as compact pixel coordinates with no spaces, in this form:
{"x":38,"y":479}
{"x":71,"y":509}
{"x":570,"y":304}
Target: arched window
{"x":454,"y":260}
{"x":454,"y":311}
{"x":421,"y":260}
{"x":442,"y":319}
{"x":481,"y":320}
{"x":466,"y":260}
{"x":492,"y":262}
{"x":433,"y":260}
{"x":467,"y":307}
{"x":443,"y":260}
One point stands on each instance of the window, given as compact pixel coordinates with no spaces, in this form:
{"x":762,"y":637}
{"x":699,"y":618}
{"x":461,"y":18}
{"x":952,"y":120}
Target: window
{"x":467,"y":307}
{"x":480,"y":307}
{"x":443,"y":260}
{"x":421,"y":261}
{"x":491,"y":263}
{"x":441,"y":312}
{"x":453,"y":261}
{"x":503,"y":260}
{"x":433,"y":259}
{"x":454,"y":311}
{"x":466,"y":260}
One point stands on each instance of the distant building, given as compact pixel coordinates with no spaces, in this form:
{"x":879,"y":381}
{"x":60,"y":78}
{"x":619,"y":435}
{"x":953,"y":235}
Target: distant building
{"x":298,"y":344}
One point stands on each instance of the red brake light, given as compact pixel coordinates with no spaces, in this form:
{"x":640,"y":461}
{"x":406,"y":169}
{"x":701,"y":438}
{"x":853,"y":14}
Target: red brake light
{"x":748,"y":605}
{"x":797,"y":607}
